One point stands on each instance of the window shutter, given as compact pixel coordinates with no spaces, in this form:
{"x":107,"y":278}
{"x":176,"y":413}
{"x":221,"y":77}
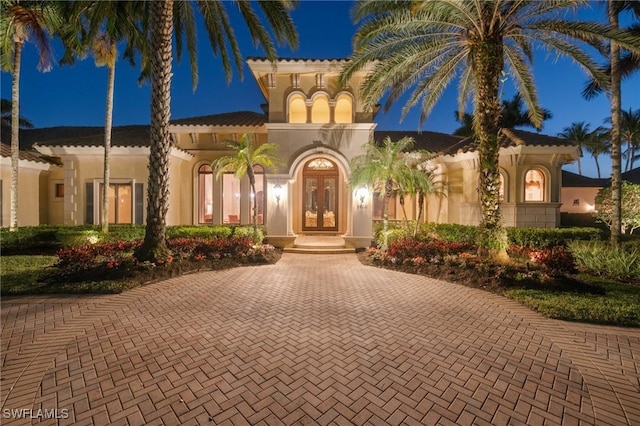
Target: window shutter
{"x":139,"y":203}
{"x":89,"y":203}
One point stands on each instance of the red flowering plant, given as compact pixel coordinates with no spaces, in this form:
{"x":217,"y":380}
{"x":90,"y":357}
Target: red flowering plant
{"x":557,"y":258}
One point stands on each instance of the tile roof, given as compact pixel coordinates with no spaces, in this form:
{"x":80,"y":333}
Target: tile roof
{"x":429,"y":141}
{"x":632,"y":176}
{"x":121,"y":136}
{"x":293,"y":60}
{"x":574,"y":180}
{"x":27,"y":155}
{"x":511,"y":138}
{"x":238,"y":118}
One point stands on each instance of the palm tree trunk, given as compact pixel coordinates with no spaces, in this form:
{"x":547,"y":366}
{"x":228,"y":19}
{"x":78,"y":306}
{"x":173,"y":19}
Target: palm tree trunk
{"x":252,"y":183}
{"x":420,"y":212}
{"x":161,"y":24}
{"x":616,"y":178}
{"x":597,"y":166}
{"x":15,"y":135}
{"x":108,"y":121}
{"x":579,"y":167}
{"x":404,"y":210}
{"x":388,"y":188}
{"x":487,"y":63}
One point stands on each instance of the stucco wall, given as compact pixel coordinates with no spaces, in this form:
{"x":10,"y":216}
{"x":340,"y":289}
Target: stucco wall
{"x":32,"y":206}
{"x":584,"y":196}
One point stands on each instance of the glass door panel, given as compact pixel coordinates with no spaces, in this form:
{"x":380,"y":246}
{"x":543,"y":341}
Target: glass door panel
{"x":311,"y":203}
{"x":329,"y":197}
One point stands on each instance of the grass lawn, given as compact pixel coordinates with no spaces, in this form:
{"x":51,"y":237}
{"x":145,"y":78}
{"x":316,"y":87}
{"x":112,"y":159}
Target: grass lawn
{"x":21,"y":275}
{"x":620,"y":305}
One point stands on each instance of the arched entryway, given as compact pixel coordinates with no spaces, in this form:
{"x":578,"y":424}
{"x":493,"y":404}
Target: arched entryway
{"x":320,"y":196}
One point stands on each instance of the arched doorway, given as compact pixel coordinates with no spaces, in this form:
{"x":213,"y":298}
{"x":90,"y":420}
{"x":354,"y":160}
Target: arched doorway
{"x":320,"y":196}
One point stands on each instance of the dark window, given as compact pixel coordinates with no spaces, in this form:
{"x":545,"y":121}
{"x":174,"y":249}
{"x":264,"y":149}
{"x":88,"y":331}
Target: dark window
{"x":59,"y":190}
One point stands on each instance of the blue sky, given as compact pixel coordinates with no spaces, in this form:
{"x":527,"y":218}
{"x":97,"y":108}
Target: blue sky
{"x":75,"y":95}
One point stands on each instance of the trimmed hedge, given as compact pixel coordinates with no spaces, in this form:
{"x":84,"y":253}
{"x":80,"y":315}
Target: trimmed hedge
{"x":527,"y":237}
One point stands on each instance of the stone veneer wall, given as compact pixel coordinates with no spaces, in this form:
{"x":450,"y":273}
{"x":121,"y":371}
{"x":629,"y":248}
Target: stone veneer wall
{"x":534,"y":215}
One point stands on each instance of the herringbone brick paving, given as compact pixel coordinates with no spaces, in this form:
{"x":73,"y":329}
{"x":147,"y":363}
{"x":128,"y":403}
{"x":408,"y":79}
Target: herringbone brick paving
{"x":312,"y":340}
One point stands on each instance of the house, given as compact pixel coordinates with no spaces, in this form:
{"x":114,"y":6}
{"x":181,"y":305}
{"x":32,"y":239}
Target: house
{"x":579,"y":194}
{"x":319,"y":127}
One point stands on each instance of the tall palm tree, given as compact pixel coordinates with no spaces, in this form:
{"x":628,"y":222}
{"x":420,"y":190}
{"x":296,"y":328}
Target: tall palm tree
{"x":384,"y":168}
{"x":223,"y":41}
{"x":6,"y":112}
{"x":577,"y":132}
{"x":22,"y":21}
{"x":630,"y":134}
{"x":426,"y":44}
{"x":622,"y":63}
{"x":98,"y":26}
{"x":598,"y":143}
{"x":512,"y":115}
{"x":247,"y":154}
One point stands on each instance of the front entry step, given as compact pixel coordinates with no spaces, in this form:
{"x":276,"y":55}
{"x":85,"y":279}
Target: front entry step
{"x":319,"y":244}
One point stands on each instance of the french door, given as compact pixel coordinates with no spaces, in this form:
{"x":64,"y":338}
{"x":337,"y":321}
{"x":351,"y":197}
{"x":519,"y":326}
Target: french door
{"x":320,"y":196}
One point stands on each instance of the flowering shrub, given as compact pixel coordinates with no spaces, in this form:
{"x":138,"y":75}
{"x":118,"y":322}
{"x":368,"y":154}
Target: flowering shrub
{"x":554,"y":258}
{"x":413,"y":247}
{"x":117,"y":255}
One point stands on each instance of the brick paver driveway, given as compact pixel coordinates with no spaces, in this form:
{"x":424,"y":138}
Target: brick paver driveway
{"x":314,"y":339}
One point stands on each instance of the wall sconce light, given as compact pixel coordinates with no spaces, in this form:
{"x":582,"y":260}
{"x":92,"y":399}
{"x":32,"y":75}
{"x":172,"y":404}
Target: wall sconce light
{"x":361,"y":195}
{"x":277,"y":192}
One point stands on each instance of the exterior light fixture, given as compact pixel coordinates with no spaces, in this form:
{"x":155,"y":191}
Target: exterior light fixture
{"x":277,"y":192}
{"x":361,"y":195}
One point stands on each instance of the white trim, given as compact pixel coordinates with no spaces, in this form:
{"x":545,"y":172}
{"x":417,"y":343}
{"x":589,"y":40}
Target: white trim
{"x":320,"y":126}
{"x":99,"y":150}
{"x":26,"y":164}
{"x":198,"y":128}
{"x":97,"y":198}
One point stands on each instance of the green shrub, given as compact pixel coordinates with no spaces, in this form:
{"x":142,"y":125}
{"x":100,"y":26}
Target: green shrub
{"x":214,"y":231}
{"x":599,"y":258}
{"x":456,"y":233}
{"x":247,"y":231}
{"x":550,"y":237}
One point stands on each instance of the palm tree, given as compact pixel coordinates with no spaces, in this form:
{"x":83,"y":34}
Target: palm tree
{"x":511,"y":115}
{"x":247,"y":154}
{"x":577,"y":132}
{"x":222,"y":38}
{"x":425,"y":45}
{"x":98,"y":26}
{"x":622,"y":63}
{"x":384,"y":168}
{"x":630,"y":134}
{"x":20,"y":22}
{"x":598,"y":142}
{"x":6,"y":111}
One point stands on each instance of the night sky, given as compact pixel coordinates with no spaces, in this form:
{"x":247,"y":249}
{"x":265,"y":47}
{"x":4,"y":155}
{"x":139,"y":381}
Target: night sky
{"x":75,"y":95}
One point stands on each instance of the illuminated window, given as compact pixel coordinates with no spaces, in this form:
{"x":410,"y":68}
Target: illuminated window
{"x":344,"y":109}
{"x":205,"y":194}
{"x":297,"y":110}
{"x":230,"y":199}
{"x":534,"y":185}
{"x":120,"y":203}
{"x":320,"y":164}
{"x":320,"y":110}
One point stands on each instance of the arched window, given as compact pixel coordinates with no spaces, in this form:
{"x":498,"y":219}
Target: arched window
{"x":534,"y":185}
{"x":297,"y":109}
{"x":320,"y":110}
{"x":344,"y":109}
{"x":205,"y":194}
